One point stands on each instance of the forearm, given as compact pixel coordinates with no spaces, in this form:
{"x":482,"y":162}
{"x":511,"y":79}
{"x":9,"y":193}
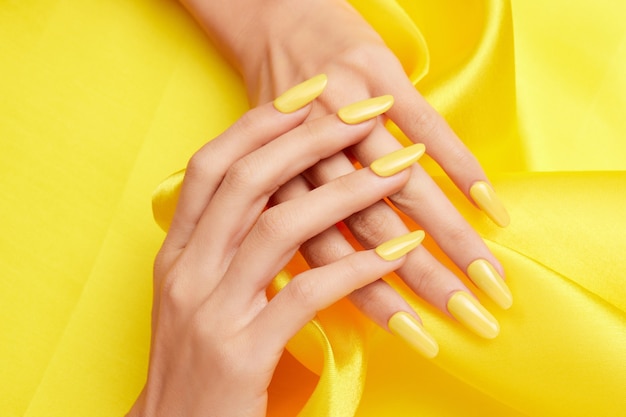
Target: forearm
{"x":242,"y":29}
{"x":277,"y":43}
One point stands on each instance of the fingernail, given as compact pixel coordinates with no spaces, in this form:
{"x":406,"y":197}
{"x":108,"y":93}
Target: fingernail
{"x":396,"y":161}
{"x":467,"y":310}
{"x":400,"y":246}
{"x":300,"y":95}
{"x":407,"y":328}
{"x":485,"y":197}
{"x":485,"y":276}
{"x":364,"y":110}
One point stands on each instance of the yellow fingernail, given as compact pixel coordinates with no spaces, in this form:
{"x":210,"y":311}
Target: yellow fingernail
{"x":407,"y":328}
{"x":400,"y":246}
{"x":473,"y":315}
{"x":364,"y":110}
{"x":485,"y":276}
{"x":485,"y":197}
{"x":397,"y":161}
{"x":302,"y":94}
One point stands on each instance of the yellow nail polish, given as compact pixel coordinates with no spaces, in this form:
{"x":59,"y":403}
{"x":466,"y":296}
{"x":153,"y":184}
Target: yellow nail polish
{"x":364,"y":110}
{"x":473,"y":315}
{"x":395,"y":162}
{"x":300,"y":95}
{"x":485,"y":276}
{"x":485,"y":197}
{"x":407,"y":328}
{"x":400,"y":246}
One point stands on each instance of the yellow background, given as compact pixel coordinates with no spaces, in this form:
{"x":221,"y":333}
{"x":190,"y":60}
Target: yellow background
{"x":101,"y":100}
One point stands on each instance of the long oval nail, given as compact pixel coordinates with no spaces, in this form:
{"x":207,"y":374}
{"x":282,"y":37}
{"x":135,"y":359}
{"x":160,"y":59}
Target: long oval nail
{"x":485,"y":197}
{"x":485,"y":276}
{"x":407,"y":328}
{"x":398,"y":247}
{"x":300,"y":95}
{"x":366,"y":109}
{"x":467,"y":310}
{"x":395,"y":162}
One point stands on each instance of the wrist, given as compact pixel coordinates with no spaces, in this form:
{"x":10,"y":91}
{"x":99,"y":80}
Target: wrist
{"x":243,"y":29}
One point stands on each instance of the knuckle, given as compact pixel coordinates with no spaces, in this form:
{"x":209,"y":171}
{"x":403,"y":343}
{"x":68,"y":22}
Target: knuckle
{"x":369,"y":226}
{"x":177,"y":293}
{"x":425,"y":279}
{"x":406,"y":197}
{"x":427,"y":123}
{"x":318,"y":253}
{"x":303,"y":292}
{"x":411,"y":195}
{"x":241,"y":175}
{"x":364,"y":57}
{"x":369,"y":297}
{"x":459,"y":234}
{"x":174,"y":295}
{"x":274,"y":224}
{"x":461,"y":158}
{"x":201,"y":165}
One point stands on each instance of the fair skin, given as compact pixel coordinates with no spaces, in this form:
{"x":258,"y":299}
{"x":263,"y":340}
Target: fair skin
{"x":216,"y":338}
{"x":276,"y":44}
{"x":214,"y":331}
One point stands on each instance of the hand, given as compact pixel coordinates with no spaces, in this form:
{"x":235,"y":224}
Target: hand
{"x":216,"y":339}
{"x":275,"y":44}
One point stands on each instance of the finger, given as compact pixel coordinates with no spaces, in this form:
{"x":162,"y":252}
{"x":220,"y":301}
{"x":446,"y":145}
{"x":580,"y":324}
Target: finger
{"x":424,"y":274}
{"x":423,"y":124}
{"x":377,"y":300}
{"x":208,"y":166}
{"x":318,"y":288}
{"x":256,"y":128}
{"x":249,"y":182}
{"x":423,"y":201}
{"x":281,"y":229}
{"x":374,"y":225}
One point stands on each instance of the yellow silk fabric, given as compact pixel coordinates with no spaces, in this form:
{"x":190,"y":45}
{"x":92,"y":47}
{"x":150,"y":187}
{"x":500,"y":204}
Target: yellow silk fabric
{"x":101,"y":100}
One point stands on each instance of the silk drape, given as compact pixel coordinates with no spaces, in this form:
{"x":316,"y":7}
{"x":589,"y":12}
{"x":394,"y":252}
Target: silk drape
{"x":103,"y":99}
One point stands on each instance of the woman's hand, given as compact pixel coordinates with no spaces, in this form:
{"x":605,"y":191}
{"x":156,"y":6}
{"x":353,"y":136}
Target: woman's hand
{"x":280,"y":42}
{"x":216,"y":338}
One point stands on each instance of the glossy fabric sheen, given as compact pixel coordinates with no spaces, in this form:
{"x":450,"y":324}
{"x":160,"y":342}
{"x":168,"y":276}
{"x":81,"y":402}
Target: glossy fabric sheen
{"x":101,"y":100}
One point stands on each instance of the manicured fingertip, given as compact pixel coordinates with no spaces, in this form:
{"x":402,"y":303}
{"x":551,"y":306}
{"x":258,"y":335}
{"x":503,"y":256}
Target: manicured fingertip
{"x":467,"y":310}
{"x":397,"y":161}
{"x":300,"y":95}
{"x":398,"y":247}
{"x":407,"y":328}
{"x":485,"y":276}
{"x":486,"y":198}
{"x":364,"y":110}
